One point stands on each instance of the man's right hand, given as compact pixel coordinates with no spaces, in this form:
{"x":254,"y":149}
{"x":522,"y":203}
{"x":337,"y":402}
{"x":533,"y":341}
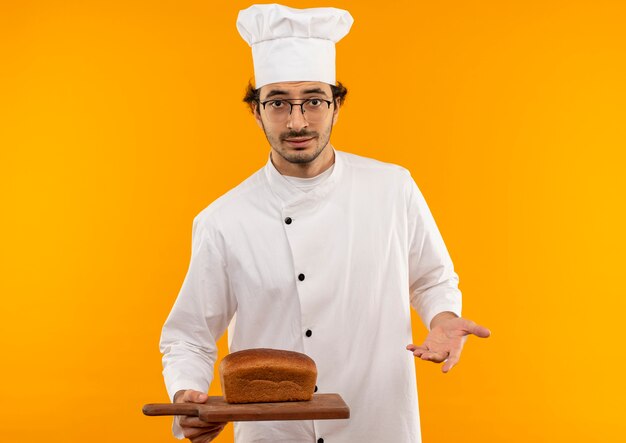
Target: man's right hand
{"x":196,"y":430}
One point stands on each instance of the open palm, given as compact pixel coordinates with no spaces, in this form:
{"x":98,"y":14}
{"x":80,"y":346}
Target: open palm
{"x":445,"y":341}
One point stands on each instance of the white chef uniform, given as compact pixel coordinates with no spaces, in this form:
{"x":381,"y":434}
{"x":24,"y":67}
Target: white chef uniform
{"x":330,"y":273}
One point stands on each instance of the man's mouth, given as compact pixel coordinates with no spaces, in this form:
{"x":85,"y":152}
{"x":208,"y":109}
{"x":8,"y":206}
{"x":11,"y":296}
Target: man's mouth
{"x":299,"y":141}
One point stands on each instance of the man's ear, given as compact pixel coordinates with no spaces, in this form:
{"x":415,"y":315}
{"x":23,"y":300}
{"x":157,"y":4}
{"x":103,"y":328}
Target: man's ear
{"x":336,"y":111}
{"x":257,"y":115}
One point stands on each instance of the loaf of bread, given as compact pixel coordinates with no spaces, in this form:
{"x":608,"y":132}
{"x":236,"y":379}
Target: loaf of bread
{"x":267,"y":375}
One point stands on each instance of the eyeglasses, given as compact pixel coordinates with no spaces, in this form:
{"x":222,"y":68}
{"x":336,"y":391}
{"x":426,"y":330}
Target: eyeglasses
{"x":312,"y":109}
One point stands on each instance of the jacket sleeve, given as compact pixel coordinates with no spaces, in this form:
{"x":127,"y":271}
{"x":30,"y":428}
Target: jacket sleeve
{"x":200,"y":315}
{"x":433,"y":283}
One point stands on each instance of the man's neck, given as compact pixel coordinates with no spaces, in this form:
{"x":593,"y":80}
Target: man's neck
{"x":305,"y":170}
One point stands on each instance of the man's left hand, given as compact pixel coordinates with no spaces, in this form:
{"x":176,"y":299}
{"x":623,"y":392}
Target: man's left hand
{"x":446,"y":339}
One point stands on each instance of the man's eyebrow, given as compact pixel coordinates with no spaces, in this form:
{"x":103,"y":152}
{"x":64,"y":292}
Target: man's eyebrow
{"x":314,"y":91}
{"x":274,"y":92}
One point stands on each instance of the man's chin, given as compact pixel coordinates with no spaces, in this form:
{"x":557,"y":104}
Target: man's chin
{"x":299,"y":158}
{"x":302,"y":156}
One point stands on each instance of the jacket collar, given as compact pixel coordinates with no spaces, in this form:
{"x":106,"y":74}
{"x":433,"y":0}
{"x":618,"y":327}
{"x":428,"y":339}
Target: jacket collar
{"x":290,"y":195}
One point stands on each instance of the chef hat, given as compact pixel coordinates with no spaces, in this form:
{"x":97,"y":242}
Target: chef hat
{"x":291,"y":44}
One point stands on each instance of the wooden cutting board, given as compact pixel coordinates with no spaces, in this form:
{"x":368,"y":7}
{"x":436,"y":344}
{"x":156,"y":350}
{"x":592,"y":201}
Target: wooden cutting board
{"x":215,"y":409}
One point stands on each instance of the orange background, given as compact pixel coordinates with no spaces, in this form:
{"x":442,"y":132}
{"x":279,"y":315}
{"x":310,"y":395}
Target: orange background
{"x":121,"y":120}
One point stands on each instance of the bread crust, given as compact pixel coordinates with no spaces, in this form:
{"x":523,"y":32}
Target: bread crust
{"x":264,"y":375}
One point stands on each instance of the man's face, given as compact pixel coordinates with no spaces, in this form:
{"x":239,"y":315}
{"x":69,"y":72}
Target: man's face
{"x":294,"y":138}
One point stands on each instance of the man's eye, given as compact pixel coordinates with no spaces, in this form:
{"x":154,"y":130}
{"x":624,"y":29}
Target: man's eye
{"x":277,"y":104}
{"x":315,"y":102}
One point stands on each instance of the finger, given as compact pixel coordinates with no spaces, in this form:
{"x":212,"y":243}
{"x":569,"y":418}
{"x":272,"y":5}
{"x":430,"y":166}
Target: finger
{"x":477,"y":330}
{"x":197,"y":422}
{"x":435,"y":357}
{"x":419,"y":350}
{"x":415,"y":348}
{"x":205,"y":437}
{"x":452,"y":360}
{"x":191,"y":396}
{"x":201,"y":434}
{"x":196,"y":430}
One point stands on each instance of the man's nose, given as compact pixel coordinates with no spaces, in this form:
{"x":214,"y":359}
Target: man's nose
{"x":296,"y":119}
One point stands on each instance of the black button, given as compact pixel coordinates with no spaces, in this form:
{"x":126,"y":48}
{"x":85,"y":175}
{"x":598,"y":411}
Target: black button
{"x":288,"y":220}
{"x":320,"y":440}
{"x":315,"y":390}
{"x":308,"y":333}
{"x":301,"y":277}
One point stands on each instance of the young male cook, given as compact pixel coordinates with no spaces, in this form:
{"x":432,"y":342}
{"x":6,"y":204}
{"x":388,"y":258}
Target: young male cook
{"x":320,"y":252}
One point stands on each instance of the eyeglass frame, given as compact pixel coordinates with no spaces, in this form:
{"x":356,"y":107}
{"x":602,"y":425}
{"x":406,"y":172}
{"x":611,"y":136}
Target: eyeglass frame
{"x":291,"y":105}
